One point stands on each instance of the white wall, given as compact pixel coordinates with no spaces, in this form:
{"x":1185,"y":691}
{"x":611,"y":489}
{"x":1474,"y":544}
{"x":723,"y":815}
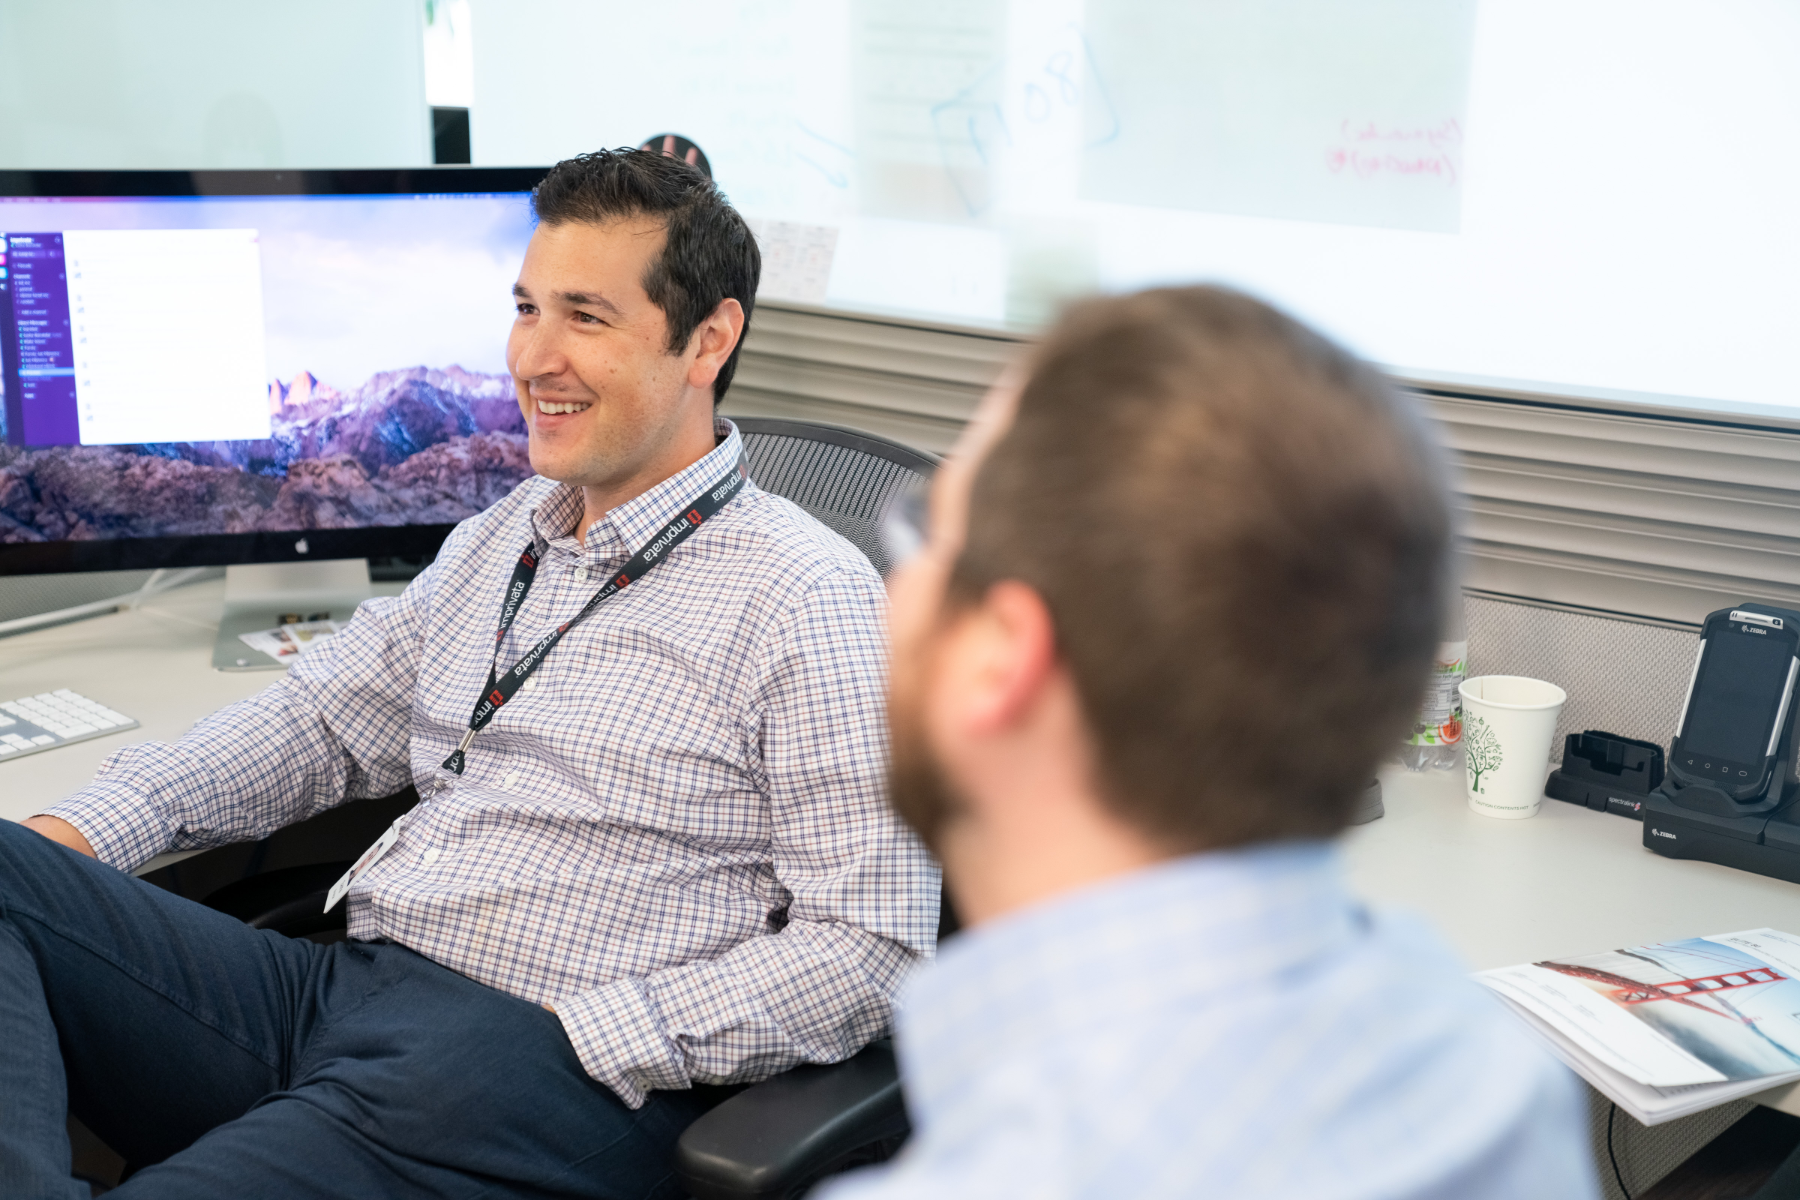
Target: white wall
{"x":119,"y":84}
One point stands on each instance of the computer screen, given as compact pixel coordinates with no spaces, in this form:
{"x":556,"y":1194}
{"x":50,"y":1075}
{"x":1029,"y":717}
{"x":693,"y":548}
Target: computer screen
{"x":194,"y":378}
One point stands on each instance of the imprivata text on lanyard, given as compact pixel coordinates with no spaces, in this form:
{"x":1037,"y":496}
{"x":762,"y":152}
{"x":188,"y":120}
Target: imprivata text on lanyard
{"x":500,"y":688}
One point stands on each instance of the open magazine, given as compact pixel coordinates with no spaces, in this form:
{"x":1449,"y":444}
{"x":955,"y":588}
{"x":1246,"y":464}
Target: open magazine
{"x":285,"y":643}
{"x":1671,"y":1029}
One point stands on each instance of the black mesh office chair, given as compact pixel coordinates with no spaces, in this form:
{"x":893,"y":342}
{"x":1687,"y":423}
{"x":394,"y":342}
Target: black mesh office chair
{"x":776,"y":1138}
{"x":843,"y":478}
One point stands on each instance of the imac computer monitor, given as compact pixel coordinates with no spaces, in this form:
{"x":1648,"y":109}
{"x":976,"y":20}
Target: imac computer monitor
{"x":205,"y":368}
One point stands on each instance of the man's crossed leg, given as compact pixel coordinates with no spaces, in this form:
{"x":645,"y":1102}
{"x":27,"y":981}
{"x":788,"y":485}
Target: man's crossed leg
{"x":227,"y":1061}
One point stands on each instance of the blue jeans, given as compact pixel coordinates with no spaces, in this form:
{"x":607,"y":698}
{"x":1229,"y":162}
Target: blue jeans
{"x":224,"y":1061}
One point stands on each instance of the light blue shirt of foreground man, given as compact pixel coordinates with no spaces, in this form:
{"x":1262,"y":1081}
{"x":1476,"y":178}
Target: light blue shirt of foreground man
{"x":1176,"y":594}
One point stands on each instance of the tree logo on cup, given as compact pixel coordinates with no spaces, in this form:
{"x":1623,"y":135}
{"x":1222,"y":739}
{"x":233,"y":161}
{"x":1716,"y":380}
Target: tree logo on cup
{"x":1482,"y":750}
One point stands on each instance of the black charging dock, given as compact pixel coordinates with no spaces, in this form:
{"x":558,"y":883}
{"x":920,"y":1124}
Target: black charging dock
{"x":1607,"y":773}
{"x":1702,"y":822}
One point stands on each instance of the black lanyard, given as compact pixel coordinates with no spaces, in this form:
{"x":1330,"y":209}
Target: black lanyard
{"x":500,"y":689}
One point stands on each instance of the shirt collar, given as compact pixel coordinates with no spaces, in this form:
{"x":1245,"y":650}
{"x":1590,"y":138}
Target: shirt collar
{"x":636,"y":521}
{"x":1117,"y":951}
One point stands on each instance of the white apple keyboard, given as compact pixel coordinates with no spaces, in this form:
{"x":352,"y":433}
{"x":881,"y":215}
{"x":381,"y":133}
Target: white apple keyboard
{"x":51,"y":719}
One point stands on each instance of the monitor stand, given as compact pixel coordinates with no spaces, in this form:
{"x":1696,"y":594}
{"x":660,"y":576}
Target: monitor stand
{"x":264,"y":595}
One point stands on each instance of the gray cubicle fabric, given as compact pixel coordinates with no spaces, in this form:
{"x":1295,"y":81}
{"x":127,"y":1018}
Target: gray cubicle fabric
{"x":1623,"y":676}
{"x":914,"y":382}
{"x":1647,"y":1153}
{"x":29,"y":595}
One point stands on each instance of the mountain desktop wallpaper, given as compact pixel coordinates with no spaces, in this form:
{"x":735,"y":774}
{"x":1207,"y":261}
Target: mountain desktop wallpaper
{"x":421,"y":446}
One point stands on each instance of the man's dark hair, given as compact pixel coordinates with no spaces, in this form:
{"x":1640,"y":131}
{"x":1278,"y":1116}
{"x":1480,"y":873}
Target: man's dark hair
{"x":709,"y":255}
{"x":1243,"y":536}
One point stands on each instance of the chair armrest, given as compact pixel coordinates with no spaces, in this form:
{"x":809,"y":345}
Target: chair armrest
{"x":774,"y":1139}
{"x":290,"y":901}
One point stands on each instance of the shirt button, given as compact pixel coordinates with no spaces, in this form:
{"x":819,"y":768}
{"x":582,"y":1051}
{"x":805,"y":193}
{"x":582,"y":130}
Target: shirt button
{"x":430,"y":856}
{"x":580,"y":574}
{"x":531,"y":685}
{"x":511,"y":780}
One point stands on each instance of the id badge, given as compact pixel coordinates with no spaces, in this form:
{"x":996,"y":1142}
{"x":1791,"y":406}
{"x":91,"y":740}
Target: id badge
{"x":368,"y":859}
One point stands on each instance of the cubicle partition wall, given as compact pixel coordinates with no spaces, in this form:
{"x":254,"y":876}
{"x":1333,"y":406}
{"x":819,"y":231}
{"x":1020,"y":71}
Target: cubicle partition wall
{"x":1646,"y":1154}
{"x":1624,"y":675}
{"x":1595,"y":541}
{"x":24,"y":596}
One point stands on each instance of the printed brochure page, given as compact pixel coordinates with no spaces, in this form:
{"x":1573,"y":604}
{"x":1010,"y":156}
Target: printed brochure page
{"x":1673,"y":1028}
{"x":285,"y":643}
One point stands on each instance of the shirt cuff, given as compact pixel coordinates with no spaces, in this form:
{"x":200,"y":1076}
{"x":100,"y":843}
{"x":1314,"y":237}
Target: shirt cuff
{"x":620,"y":1041}
{"x":120,"y":824}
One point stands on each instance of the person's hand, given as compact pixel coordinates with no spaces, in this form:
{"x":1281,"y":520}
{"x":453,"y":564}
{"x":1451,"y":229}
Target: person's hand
{"x":60,"y":832}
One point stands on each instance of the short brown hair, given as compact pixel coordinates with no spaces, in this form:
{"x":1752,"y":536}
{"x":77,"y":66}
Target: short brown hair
{"x":1242,"y":533}
{"x":708,"y":252}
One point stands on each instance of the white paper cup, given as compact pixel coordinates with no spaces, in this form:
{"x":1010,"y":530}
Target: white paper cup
{"x":1508,"y":721}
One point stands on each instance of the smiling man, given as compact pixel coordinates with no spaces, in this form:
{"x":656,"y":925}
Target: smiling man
{"x":651,"y":853}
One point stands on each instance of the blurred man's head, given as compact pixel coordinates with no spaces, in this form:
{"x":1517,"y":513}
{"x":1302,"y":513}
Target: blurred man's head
{"x":633,"y":300}
{"x":1179,"y":592}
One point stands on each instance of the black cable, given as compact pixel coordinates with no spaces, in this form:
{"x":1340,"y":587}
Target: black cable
{"x":1611,"y":1112}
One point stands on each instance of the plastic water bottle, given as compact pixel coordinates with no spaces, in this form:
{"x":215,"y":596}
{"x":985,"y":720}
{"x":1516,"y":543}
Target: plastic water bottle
{"x":1436,"y":739}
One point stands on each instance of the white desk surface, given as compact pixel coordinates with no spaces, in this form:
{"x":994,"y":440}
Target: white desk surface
{"x":154,"y":664}
{"x":1567,"y":881}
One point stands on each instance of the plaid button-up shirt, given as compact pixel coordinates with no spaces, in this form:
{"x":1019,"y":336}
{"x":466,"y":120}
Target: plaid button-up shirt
{"x":675,"y":834}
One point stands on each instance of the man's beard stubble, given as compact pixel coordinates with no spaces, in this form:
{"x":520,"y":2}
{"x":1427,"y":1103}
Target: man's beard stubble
{"x":917,"y":787}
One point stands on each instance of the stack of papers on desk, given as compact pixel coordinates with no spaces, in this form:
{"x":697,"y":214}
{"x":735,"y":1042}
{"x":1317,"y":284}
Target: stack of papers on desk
{"x":285,"y":643}
{"x":1668,"y":1030}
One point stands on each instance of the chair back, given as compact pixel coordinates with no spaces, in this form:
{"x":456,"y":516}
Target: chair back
{"x":843,"y":478}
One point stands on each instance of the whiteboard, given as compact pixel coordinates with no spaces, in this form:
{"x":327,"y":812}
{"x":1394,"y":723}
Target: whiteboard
{"x":1579,"y":198}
